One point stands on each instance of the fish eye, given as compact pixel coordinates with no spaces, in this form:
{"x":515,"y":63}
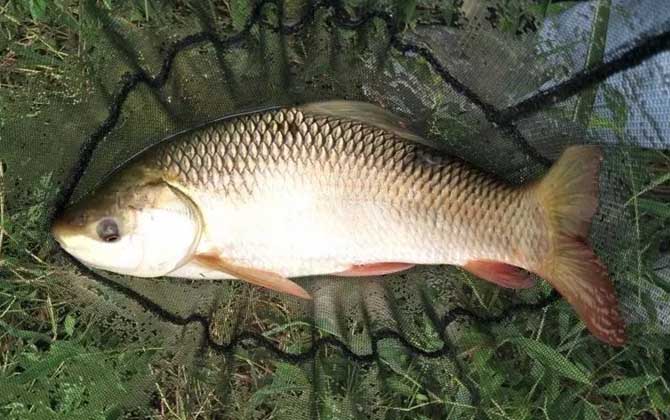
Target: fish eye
{"x":108,"y":230}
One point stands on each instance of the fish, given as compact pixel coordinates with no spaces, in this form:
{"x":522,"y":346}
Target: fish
{"x":341,"y":188}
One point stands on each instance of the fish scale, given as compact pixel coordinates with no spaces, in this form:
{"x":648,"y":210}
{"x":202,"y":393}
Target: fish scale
{"x":346,"y":160}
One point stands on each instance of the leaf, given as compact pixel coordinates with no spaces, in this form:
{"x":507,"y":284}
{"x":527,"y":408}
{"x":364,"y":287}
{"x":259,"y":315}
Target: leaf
{"x":70,"y":322}
{"x":601,"y":122}
{"x":24,"y":334}
{"x":400,"y":387}
{"x":286,"y":379}
{"x":628,"y":386}
{"x":659,"y":397}
{"x":559,"y":7}
{"x":240,"y":10}
{"x":546,"y":10}
{"x":589,"y":411}
{"x":59,"y":352}
{"x":565,"y":407}
{"x":551,"y":359}
{"x":654,"y":207}
{"x":406,"y":12}
{"x":616,"y":103}
{"x":113,"y":413}
{"x":37,"y":8}
{"x":653,"y":184}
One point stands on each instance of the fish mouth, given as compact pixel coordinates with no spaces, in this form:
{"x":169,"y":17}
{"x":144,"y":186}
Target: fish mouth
{"x":57,"y":231}
{"x":66,"y":235}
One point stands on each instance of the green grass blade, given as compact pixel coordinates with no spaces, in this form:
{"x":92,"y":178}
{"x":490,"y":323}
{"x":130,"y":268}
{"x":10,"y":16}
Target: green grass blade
{"x":628,"y":386}
{"x":654,"y":207}
{"x":653,"y":184}
{"x":551,"y":359}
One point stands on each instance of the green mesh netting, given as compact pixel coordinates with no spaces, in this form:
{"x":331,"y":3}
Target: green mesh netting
{"x":506,"y":85}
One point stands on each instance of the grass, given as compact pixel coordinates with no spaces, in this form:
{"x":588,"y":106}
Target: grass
{"x":41,"y":48}
{"x":72,"y":348}
{"x":2,"y":206}
{"x":53,"y":346}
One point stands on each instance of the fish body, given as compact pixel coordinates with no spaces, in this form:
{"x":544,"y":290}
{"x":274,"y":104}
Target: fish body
{"x":339,"y":188}
{"x":301,"y":195}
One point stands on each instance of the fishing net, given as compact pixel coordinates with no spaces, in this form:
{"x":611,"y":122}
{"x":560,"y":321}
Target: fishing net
{"x":504,"y":84}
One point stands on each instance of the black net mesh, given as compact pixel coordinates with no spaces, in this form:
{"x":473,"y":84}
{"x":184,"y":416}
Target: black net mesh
{"x":506,"y":85}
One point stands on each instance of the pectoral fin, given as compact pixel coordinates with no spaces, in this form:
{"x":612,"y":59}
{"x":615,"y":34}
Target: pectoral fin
{"x":261,"y":278}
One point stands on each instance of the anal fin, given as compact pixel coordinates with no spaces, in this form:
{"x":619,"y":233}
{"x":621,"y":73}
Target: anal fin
{"x":376,"y":269}
{"x":502,"y":274}
{"x":255,"y":276}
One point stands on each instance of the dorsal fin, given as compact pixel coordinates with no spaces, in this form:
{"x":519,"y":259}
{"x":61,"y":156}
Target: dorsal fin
{"x":369,"y":114}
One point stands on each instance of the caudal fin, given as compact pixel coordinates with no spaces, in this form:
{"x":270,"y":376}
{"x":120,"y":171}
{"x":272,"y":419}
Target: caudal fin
{"x":569,"y":195}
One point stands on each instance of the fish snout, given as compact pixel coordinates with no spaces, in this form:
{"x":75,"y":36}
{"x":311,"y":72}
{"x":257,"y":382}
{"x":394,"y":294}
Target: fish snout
{"x":58,"y":229}
{"x":62,"y":230}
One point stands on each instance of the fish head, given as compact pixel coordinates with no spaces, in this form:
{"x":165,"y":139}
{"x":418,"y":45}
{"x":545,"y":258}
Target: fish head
{"x":143,"y":229}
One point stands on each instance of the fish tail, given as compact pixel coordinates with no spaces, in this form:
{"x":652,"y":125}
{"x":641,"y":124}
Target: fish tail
{"x":569,"y":197}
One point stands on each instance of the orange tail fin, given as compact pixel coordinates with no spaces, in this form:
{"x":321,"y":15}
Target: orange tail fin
{"x":569,"y":195}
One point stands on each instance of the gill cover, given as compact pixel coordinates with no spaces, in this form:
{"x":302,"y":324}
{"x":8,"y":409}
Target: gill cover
{"x":169,"y":232}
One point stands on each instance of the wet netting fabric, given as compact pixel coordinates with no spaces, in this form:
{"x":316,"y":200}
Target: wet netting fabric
{"x":506,"y":85}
